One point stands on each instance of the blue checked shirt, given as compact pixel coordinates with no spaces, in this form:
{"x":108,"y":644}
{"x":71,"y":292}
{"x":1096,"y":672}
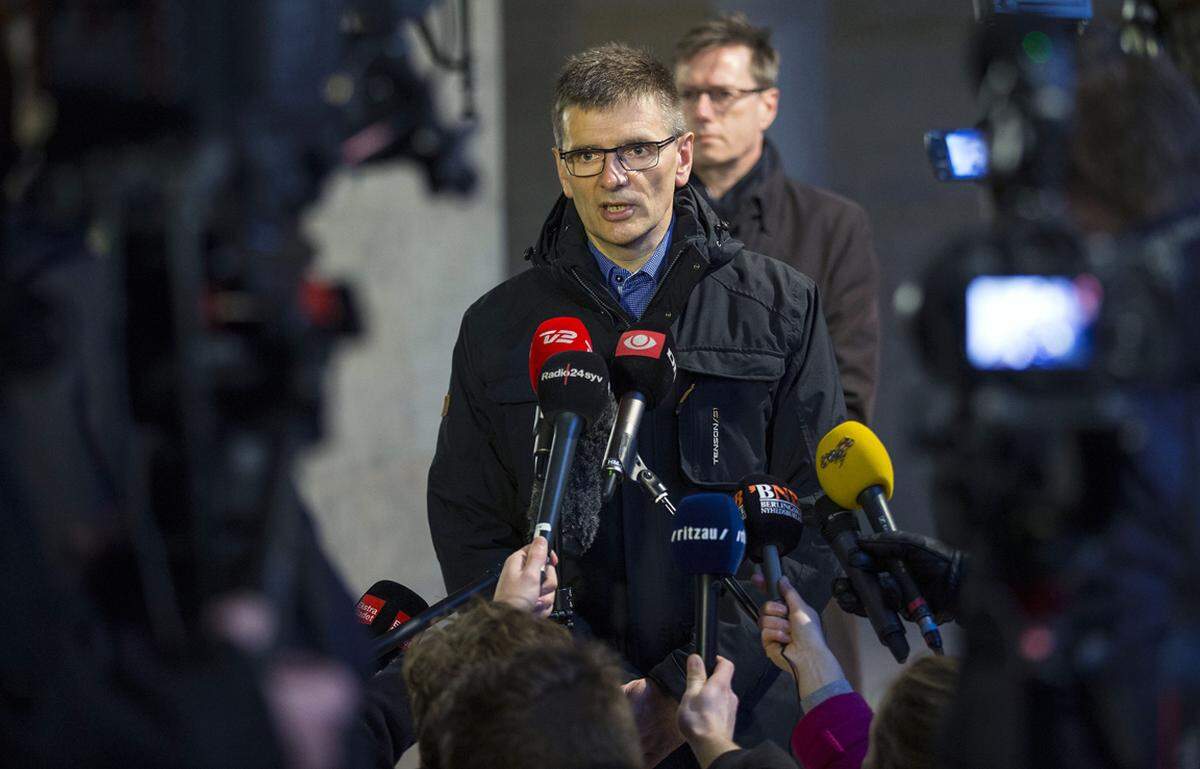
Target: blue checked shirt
{"x":634,"y":289}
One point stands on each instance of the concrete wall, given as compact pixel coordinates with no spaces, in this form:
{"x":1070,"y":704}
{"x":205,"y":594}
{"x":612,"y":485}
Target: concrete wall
{"x":417,"y":263}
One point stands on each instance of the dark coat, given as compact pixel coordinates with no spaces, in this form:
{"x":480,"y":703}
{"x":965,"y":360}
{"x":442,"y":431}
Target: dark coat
{"x":757,"y":371}
{"x":828,"y":238}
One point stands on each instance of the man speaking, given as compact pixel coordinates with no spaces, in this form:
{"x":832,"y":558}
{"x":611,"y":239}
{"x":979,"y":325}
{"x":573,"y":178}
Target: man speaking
{"x":631,"y":245}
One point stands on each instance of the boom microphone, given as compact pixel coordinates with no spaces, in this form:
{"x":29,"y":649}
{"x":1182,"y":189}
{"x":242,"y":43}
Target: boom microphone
{"x":573,"y":394}
{"x":708,"y":541}
{"x":774,"y":526}
{"x":855,"y":470}
{"x":643,"y":371}
{"x":385,"y":606}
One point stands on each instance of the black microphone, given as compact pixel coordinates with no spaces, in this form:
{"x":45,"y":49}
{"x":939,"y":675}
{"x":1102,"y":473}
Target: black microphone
{"x":552,"y":336}
{"x":708,"y":541}
{"x":840,"y":529}
{"x":573,"y":394}
{"x":399,"y":636}
{"x":643,"y":372}
{"x":386,"y":606}
{"x":773,"y":524}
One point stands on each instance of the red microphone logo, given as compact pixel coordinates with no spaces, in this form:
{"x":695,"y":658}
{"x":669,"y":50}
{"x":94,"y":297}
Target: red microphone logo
{"x":647,"y":344}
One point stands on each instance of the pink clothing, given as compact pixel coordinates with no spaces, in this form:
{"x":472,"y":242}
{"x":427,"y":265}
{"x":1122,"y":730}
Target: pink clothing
{"x":833,"y":735}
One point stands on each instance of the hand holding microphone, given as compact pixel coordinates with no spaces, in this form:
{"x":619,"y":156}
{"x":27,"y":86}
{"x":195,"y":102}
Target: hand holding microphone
{"x":937,"y":569}
{"x":855,"y":470}
{"x":521,"y":582}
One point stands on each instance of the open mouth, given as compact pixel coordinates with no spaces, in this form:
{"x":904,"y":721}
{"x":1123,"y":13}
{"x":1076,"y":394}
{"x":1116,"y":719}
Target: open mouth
{"x":616,"y":211}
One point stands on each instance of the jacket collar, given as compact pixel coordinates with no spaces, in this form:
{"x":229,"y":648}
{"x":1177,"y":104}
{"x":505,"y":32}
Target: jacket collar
{"x":563,"y":242}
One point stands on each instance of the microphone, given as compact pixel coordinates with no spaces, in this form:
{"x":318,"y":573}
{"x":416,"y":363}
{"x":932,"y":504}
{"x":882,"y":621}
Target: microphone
{"x":573,"y":394}
{"x":386,"y":606}
{"x":774,"y":525}
{"x":552,"y":336}
{"x":708,"y":541}
{"x":399,"y":636}
{"x":855,"y":470}
{"x":643,"y":372}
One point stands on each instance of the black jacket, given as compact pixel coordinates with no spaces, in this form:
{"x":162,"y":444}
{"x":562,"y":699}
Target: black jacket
{"x":757,"y":389}
{"x":828,"y":238}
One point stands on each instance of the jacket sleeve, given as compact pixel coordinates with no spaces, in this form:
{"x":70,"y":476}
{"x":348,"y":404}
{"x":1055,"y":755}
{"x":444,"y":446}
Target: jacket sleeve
{"x":472,"y":497}
{"x":851,"y":301}
{"x":834,"y":734}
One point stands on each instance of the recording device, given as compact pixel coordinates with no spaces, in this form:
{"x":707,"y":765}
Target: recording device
{"x":960,"y":154}
{"x":771,"y":511}
{"x":854,"y":470}
{"x":1058,"y":363}
{"x":643,"y":372}
{"x":651,"y":484}
{"x":552,"y":336}
{"x":386,"y":606}
{"x":708,"y":541}
{"x":573,"y":393}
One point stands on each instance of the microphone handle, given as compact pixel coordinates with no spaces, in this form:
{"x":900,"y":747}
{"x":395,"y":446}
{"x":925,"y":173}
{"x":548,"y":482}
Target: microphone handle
{"x":622,"y":442}
{"x":772,"y":570}
{"x":397,"y":637}
{"x":875,"y":505}
{"x":707,"y":589}
{"x":567,"y":429}
{"x":840,"y":530}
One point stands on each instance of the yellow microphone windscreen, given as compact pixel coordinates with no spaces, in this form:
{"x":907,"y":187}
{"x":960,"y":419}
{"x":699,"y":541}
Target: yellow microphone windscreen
{"x":850,"y":458}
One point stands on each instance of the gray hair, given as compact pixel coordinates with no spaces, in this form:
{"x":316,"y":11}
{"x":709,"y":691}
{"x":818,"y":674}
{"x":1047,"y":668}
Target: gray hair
{"x":613,"y":74}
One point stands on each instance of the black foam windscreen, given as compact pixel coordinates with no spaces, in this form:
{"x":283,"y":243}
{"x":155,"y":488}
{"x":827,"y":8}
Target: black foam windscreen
{"x":580,"y":518}
{"x":708,"y":537}
{"x":644,"y":362}
{"x":575,"y":382}
{"x":387,"y":604}
{"x":771,"y":510}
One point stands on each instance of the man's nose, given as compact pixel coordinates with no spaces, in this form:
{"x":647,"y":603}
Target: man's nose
{"x":614,"y":174}
{"x":703,"y":109}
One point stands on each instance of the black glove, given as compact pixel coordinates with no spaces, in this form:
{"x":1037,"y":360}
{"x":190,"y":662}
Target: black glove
{"x":937,"y":570}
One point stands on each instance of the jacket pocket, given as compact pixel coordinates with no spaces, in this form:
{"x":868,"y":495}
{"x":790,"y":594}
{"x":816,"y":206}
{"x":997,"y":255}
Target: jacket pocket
{"x":515,"y":403}
{"x":724,"y":410}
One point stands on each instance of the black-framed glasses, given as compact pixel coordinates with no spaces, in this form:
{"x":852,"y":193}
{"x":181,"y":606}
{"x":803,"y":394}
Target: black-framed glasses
{"x":721,"y":99}
{"x":638,"y":156}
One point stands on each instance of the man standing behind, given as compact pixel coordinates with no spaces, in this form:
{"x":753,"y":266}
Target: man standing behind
{"x":725,"y":71}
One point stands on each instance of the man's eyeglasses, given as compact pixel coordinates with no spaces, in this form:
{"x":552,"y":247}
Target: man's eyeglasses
{"x":639,"y":156}
{"x":721,"y":99}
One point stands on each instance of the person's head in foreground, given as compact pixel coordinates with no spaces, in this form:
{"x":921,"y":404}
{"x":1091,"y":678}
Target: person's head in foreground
{"x":906,"y":730}
{"x":551,"y":706}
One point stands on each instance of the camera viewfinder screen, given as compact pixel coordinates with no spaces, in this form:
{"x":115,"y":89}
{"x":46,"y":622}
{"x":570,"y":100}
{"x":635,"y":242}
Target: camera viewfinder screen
{"x":968,"y":153}
{"x":1019,"y":322}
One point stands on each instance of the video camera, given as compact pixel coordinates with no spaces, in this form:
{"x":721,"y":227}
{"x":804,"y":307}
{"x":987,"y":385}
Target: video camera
{"x":1059,"y":353}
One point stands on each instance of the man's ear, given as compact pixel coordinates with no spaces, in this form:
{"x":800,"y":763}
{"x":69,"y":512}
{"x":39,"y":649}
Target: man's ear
{"x":683,"y":146}
{"x":768,"y":108}
{"x":563,"y":176}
